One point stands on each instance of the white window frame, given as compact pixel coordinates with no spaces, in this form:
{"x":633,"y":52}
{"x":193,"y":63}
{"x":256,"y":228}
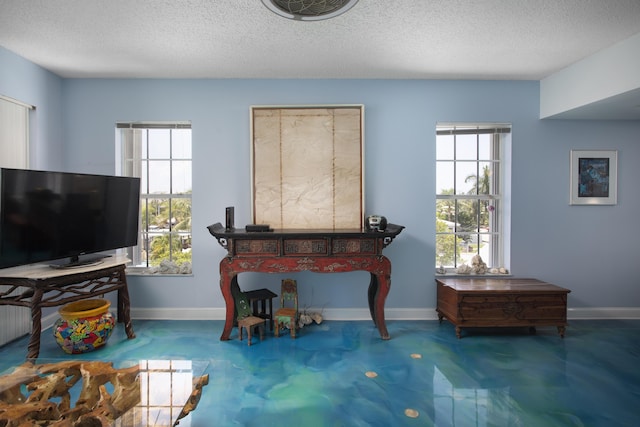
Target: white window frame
{"x":497,"y":256}
{"x":14,"y":133}
{"x":130,"y":138}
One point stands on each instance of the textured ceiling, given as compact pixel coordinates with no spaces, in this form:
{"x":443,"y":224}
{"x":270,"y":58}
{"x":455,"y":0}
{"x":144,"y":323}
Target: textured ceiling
{"x":395,"y":39}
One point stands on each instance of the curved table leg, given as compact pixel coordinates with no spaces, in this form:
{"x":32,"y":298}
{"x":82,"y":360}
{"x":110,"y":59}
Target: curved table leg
{"x":373,"y":290}
{"x":378,"y":290}
{"x":228,"y":278}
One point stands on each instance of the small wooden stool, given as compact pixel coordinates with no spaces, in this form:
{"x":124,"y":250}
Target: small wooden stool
{"x":262,"y":296}
{"x":248,"y":323}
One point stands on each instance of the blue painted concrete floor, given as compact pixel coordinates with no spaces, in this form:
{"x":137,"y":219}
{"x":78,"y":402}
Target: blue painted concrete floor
{"x":342,"y":374}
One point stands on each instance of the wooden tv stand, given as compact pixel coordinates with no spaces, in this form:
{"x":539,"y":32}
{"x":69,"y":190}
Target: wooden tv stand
{"x":501,"y":302}
{"x":48,"y":287}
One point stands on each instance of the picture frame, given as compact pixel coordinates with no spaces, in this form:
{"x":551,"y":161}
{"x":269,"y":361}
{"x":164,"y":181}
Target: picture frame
{"x":594,"y":177}
{"x":307,"y":166}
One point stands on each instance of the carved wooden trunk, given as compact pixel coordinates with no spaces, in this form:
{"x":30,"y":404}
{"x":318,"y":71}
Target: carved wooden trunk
{"x":496,"y":302}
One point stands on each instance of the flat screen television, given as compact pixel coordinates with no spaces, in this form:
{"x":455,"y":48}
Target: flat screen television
{"x":60,"y":217}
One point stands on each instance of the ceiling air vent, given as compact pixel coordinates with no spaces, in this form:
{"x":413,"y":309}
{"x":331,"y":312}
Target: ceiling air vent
{"x":309,"y":10}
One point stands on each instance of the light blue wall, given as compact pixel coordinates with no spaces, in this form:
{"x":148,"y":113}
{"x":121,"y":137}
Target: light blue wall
{"x":31,"y":84}
{"x":591,"y":250}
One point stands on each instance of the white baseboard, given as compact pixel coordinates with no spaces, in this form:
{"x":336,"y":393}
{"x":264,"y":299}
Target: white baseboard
{"x":327,"y":314}
{"x":354,"y":314}
{"x":593,"y":313}
{"x":178,"y":313}
{"x":601,"y":313}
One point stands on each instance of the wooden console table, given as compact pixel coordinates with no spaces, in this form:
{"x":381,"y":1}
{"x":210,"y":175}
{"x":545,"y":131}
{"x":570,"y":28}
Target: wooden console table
{"x":48,"y":287}
{"x":320,"y":251}
{"x":497,"y":302}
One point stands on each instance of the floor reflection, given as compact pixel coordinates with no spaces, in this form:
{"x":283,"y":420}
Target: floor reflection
{"x":467,"y":404}
{"x":91,"y":392}
{"x":165,"y":388}
{"x":343,"y":374}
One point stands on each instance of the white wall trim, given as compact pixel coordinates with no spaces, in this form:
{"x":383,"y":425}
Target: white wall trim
{"x":178,"y":313}
{"x":355,"y":314}
{"x":598,"y":313}
{"x":593,"y":313}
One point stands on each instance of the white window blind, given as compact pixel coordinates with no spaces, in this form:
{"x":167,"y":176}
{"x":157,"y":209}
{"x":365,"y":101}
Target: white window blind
{"x":14,"y":133}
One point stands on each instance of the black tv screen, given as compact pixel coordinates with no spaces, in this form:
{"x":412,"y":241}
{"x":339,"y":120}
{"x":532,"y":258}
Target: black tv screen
{"x":48,"y":216}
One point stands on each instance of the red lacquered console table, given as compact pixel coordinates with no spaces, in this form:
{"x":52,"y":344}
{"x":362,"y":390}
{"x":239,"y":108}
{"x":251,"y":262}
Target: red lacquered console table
{"x":320,"y":251}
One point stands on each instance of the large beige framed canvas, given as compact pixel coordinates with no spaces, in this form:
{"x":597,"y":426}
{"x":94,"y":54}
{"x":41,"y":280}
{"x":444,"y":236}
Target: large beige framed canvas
{"x":307,"y":166}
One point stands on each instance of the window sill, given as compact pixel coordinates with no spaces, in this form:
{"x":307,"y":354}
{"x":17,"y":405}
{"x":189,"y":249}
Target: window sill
{"x":473,"y":275}
{"x":143,"y":274}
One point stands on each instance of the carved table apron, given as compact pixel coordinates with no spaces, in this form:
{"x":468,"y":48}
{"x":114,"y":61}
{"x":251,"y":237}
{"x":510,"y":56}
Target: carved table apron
{"x":320,"y":251}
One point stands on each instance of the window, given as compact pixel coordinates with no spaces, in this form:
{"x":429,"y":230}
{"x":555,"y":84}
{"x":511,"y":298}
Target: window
{"x":14,"y":133}
{"x":471,"y":206}
{"x":160,"y":154}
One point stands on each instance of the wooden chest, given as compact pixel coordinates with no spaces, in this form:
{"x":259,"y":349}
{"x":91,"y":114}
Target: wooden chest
{"x":501,"y":302}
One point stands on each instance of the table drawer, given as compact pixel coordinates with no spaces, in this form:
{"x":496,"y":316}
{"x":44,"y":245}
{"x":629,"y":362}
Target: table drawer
{"x":306,"y":247}
{"x":256,"y":247}
{"x":354,"y":246}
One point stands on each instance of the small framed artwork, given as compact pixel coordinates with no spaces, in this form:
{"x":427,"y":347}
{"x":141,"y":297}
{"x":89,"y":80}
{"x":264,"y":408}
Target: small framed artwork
{"x":594,"y":177}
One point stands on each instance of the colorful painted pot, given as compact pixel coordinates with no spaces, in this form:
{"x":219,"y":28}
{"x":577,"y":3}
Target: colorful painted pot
{"x":83,"y":325}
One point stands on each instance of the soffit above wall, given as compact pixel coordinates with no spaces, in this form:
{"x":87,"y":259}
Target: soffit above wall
{"x":603,"y":86}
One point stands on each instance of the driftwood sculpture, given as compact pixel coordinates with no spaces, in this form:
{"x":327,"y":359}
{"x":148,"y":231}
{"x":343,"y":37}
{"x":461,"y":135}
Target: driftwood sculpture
{"x":95,"y":406}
